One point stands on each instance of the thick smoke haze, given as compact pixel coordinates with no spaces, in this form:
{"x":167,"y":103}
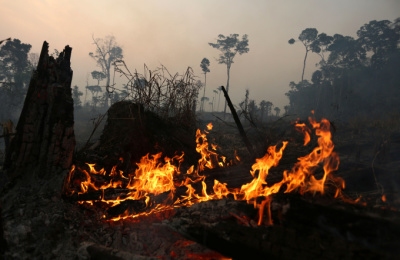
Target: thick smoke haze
{"x":176,"y":34}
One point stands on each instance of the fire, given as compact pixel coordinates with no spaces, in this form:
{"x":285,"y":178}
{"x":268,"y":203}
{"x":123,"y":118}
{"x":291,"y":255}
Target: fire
{"x":153,"y":176}
{"x":209,"y":159}
{"x":156,"y":175}
{"x":257,"y":187}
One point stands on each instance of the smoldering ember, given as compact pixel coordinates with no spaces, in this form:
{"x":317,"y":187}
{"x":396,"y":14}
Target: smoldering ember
{"x":153,"y":179}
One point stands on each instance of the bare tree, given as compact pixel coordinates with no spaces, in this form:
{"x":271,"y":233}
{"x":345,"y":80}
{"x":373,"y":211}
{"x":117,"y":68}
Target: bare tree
{"x":106,"y":53}
{"x":229,"y":47}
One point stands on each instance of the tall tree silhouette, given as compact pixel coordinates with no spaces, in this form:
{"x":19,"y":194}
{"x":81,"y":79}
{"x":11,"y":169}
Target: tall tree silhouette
{"x":205,"y":63}
{"x":229,"y":46}
{"x":309,"y":38}
{"x":106,"y":53}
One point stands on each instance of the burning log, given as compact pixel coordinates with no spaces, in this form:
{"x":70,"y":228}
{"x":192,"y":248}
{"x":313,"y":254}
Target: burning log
{"x":155,"y":179}
{"x":234,"y":176}
{"x":44,"y":142}
{"x":97,"y":195}
{"x":303,"y":228}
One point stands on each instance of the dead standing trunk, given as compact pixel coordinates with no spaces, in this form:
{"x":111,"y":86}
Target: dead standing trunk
{"x":44,"y":142}
{"x":238,"y":123}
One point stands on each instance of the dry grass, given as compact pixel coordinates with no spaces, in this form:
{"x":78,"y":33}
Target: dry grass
{"x":158,"y":91}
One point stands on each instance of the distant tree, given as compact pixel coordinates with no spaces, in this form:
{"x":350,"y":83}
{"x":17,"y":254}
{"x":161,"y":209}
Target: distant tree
{"x":263,"y":107}
{"x":14,"y":66}
{"x":286,"y":108}
{"x":229,"y":46}
{"x":309,"y":39}
{"x":76,"y":95}
{"x":204,"y":99}
{"x":277,"y":111}
{"x":33,"y":59}
{"x":94,"y":90}
{"x":215,"y":95}
{"x":321,"y":46}
{"x":345,"y":53}
{"x":99,"y":76}
{"x":252,"y":110}
{"x":106,"y":53}
{"x":15,"y":72}
{"x":360,"y":75}
{"x":268,"y":108}
{"x":205,"y":63}
{"x":381,"y":38}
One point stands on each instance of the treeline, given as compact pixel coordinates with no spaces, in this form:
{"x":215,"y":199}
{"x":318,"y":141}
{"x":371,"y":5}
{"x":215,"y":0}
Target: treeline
{"x":355,"y":76}
{"x":16,"y":66}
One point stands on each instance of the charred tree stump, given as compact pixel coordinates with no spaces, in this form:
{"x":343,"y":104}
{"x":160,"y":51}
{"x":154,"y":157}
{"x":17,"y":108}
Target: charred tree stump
{"x":44,"y":142}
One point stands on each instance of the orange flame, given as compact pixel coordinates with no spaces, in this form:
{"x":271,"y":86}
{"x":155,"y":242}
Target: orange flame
{"x":152,"y":176}
{"x":155,"y":175}
{"x":209,"y":159}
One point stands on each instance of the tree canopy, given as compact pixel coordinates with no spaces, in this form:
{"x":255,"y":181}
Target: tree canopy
{"x":15,"y":72}
{"x":357,"y":75}
{"x":205,"y":63}
{"x":229,"y":46}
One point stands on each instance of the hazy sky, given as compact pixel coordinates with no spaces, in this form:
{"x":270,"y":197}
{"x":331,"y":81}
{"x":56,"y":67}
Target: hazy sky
{"x":176,"y":33}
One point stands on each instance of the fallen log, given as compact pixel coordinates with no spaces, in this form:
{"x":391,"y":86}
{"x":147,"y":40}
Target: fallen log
{"x":233,"y":176}
{"x":303,"y":228}
{"x":107,"y":194}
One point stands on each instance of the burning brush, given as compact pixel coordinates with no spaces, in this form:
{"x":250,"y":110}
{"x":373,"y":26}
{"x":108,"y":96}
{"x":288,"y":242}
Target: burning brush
{"x":155,"y":187}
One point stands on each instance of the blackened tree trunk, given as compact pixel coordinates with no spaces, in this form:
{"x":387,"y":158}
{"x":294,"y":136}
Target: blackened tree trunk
{"x":44,"y":142}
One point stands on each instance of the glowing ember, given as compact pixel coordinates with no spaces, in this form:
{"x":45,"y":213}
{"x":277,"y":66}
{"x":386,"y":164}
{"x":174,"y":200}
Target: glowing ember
{"x":156,"y":175}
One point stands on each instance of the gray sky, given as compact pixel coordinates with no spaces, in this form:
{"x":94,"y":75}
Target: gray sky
{"x":176,"y":33}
